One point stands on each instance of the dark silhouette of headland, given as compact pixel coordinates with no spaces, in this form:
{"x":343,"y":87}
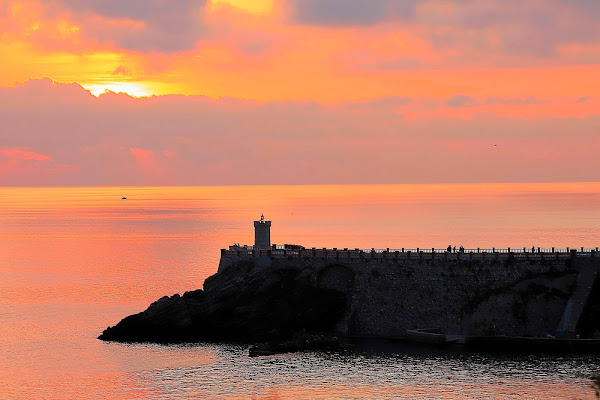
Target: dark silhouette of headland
{"x":296,"y":298}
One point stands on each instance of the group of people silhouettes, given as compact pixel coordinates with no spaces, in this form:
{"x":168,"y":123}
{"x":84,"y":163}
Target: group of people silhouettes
{"x":461,"y":249}
{"x":451,"y":249}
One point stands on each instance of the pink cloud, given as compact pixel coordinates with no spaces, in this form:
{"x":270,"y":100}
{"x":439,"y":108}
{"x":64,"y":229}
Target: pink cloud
{"x":141,"y":154}
{"x":20,"y":166}
{"x":16,"y":153}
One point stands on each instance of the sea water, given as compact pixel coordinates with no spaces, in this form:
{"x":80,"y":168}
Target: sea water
{"x":76,"y":260}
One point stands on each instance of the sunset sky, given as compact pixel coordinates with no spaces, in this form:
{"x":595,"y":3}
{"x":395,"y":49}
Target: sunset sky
{"x":224,"y":92}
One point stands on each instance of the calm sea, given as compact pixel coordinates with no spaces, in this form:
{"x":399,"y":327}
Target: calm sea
{"x":75,"y":260}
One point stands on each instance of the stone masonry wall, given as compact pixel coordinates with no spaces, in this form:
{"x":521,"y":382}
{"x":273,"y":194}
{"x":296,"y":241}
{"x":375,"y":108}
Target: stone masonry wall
{"x":387,"y":296}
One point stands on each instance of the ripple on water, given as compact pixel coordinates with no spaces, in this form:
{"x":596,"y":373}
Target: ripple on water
{"x":347,"y":375}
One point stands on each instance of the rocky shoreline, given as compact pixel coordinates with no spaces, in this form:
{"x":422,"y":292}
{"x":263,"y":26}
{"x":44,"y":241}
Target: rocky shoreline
{"x":241,"y":304}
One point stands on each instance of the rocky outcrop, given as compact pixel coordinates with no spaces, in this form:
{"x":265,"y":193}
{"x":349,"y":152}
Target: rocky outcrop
{"x":240,"y":304}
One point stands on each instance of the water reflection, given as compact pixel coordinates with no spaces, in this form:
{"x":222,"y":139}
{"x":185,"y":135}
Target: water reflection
{"x":353,"y":375}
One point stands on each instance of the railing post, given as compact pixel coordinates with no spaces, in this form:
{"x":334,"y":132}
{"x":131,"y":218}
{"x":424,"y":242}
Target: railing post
{"x":553,"y":249}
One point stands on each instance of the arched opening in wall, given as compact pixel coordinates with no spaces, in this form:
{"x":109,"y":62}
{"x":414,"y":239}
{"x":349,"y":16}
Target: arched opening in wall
{"x":337,"y":277}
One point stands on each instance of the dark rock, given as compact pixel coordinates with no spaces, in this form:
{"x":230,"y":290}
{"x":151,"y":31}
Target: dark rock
{"x":238,"y":304}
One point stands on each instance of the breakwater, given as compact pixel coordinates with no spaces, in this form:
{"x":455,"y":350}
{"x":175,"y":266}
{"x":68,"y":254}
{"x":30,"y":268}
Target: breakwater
{"x":477,"y":292}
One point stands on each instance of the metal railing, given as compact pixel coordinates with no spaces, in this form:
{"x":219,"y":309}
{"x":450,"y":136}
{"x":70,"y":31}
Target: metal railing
{"x":282,"y":251}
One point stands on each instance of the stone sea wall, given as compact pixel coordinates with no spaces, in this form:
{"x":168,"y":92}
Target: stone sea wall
{"x":457,"y":293}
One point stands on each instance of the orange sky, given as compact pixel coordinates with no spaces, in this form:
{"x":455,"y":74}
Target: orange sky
{"x":447,"y":72}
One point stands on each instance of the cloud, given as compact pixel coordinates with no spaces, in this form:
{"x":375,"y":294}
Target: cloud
{"x":17,"y":163}
{"x":139,"y":25}
{"x":60,"y":135}
{"x":41,"y":92}
{"x":349,"y":12}
{"x":402,"y":63}
{"x":583,"y":99}
{"x":141,"y":154}
{"x":16,"y":153}
{"x":518,"y":27}
{"x":460,"y":100}
{"x":494,"y":100}
{"x":382,"y":103}
{"x":121,"y":70}
{"x":529,"y":27}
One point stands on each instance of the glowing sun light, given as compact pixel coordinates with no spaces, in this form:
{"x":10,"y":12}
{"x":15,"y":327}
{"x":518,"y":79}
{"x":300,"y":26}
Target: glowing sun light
{"x":251,"y":6}
{"x":132,"y":89}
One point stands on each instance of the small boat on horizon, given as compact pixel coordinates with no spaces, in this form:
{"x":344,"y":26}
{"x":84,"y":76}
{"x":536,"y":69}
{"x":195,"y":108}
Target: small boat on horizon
{"x":123,"y":198}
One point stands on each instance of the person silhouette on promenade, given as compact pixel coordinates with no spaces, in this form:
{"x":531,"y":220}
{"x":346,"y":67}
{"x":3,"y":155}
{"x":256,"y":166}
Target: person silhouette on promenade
{"x":449,"y":249}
